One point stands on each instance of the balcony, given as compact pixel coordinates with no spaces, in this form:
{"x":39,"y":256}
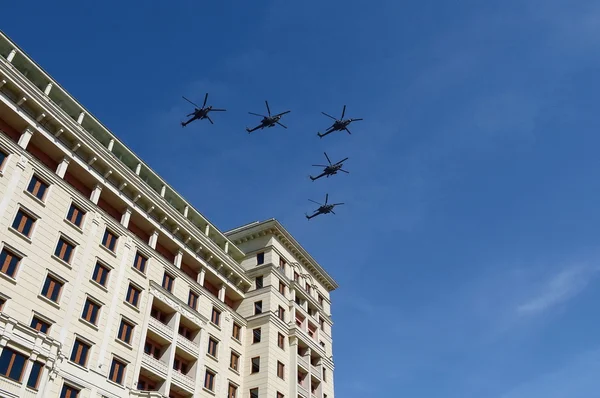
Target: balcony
{"x":154,"y":365}
{"x":145,"y":394}
{"x":160,"y":328}
{"x":11,"y":387}
{"x":303,"y":361}
{"x":184,"y":381}
{"x":315,"y":371}
{"x":187,"y":345}
{"x":302,"y":391}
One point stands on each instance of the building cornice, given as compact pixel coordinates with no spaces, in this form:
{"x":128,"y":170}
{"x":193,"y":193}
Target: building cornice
{"x":273,"y":227}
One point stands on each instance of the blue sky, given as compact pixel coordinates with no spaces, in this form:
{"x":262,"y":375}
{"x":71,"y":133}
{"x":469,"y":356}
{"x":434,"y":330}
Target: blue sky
{"x":469,"y":238}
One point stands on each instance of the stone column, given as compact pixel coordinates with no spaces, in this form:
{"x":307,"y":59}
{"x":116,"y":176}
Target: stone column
{"x":201,"y":276}
{"x":25,"y":137}
{"x":153,"y":240}
{"x":125,"y":217}
{"x":95,"y":196}
{"x":62,"y":167}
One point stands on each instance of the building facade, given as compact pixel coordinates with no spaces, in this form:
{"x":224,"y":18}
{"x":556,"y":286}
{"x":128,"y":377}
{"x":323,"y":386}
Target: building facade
{"x":112,"y":285}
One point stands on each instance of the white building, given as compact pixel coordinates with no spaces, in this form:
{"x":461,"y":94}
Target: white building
{"x":112,"y":285}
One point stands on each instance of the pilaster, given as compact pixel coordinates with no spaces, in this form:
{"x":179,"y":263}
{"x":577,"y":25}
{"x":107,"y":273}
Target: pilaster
{"x":62,"y":167}
{"x":25,"y":137}
{"x":95,"y":196}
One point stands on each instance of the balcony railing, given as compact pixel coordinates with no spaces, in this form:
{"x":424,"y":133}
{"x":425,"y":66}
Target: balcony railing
{"x":187,"y":345}
{"x":302,"y":391}
{"x":145,"y":394}
{"x":160,"y":328}
{"x":184,"y":380}
{"x":154,"y":365}
{"x":303,"y":361}
{"x":10,"y":386}
{"x":315,"y":371}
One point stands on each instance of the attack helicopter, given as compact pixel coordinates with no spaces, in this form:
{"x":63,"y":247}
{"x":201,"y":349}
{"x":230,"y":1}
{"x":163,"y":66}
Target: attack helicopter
{"x":268,"y":121}
{"x":339,"y":124}
{"x":201,"y":112}
{"x":323,"y":208}
{"x":331,"y":169}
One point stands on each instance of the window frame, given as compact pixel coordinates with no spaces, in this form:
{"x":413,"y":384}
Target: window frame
{"x":132,"y":325}
{"x":28,"y":213}
{"x":80,"y":210}
{"x":42,"y":320}
{"x":258,"y":307}
{"x":213,"y":342}
{"x":139,"y":289}
{"x":42,"y":183}
{"x":93,"y":302}
{"x":61,"y":282}
{"x":144,"y":264}
{"x":108,"y":269}
{"x":84,"y":343}
{"x":108,"y":232}
{"x":254,"y":365}
{"x":16,"y":254}
{"x":213,"y":378}
{"x":254,"y":339}
{"x":68,"y":241}
{"x":118,"y":360}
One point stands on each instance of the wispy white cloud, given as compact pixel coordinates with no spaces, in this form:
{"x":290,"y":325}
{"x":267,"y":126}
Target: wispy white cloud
{"x":560,"y":288}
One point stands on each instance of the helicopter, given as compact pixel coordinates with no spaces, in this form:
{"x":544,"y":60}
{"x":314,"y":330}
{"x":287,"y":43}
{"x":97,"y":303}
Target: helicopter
{"x":338,"y":125}
{"x":323,"y":208}
{"x":331,"y":169}
{"x":268,"y":121}
{"x":201,"y":113}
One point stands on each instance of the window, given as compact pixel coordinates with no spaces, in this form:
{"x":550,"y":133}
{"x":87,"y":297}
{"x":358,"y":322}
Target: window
{"x":279,"y":395}
{"x":209,"y":380}
{"x":69,"y":392}
{"x":254,"y":393}
{"x":281,"y":313}
{"x":109,"y":240}
{"x":212,"y":347}
{"x":152,"y":348}
{"x":2,"y":302}
{"x":140,"y":263}
{"x":259,"y":282}
{"x":216,"y":316}
{"x":234,"y":361}
{"x":90,"y":311}
{"x":167,"y":282}
{"x":117,"y":371}
{"x":296,"y":276}
{"x":256,"y":335}
{"x":260,"y":258}
{"x":255,"y":365}
{"x":75,"y":215}
{"x":52,"y":288}
{"x":145,"y":384}
{"x":311,"y":330}
{"x":100,"y":274}
{"x":37,"y":188}
{"x":320,"y":299}
{"x":35,"y":375}
{"x":237,"y":331}
{"x":282,"y":264}
{"x":322,"y":324}
{"x":231,"y":391}
{"x":280,"y":370}
{"x":125,"y":331}
{"x":324,"y":374}
{"x":64,"y":250}
{"x":307,"y":288}
{"x":23,"y":223}
{"x":3,"y":157}
{"x":133,"y":295}
{"x":185,"y":332}
{"x":280,"y":340}
{"x":258,"y":307}
{"x":193,"y":300}
{"x":9,"y":262}
{"x":12,"y":364}
{"x":180,"y":364}
{"x":40,"y":325}
{"x":80,"y":352}
{"x":282,"y":288}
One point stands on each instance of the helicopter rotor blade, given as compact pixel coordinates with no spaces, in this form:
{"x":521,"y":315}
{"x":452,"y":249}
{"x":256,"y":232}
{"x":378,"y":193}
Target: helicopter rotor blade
{"x":343,"y":112}
{"x":326,"y":198}
{"x":332,"y":212}
{"x":281,"y":125}
{"x":209,"y":119}
{"x":342,"y":170}
{"x":346,"y":128}
{"x":328,"y":115}
{"x":356,"y":120}
{"x":282,"y":113}
{"x":310,"y":200}
{"x":190,"y":102}
{"x":337,"y":204}
{"x":268,"y":109}
{"x":327,"y":158}
{"x":320,"y":165}
{"x":342,"y":161}
{"x":205,"y":99}
{"x":256,"y":114}
{"x":217,"y":110}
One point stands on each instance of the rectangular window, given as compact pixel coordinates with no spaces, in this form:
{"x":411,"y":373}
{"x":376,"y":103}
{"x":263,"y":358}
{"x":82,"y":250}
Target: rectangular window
{"x":140,"y":262}
{"x":12,"y":364}
{"x":259,"y":282}
{"x":324,"y":374}
{"x":37,"y":187}
{"x":69,"y":392}
{"x":9,"y":262}
{"x":2,"y":302}
{"x":23,"y":223}
{"x":255,"y":365}
{"x":282,"y":264}
{"x":256,"y":333}
{"x":258,"y":307}
{"x":109,"y":240}
{"x":80,"y":352}
{"x":64,"y":250}
{"x":180,"y":365}
{"x":152,"y":348}
{"x":296,"y":277}
{"x":209,"y":380}
{"x":281,"y":313}
{"x":212,"y":347}
{"x":167,"y":282}
{"x":320,"y":299}
{"x":307,"y":288}
{"x":133,"y":295}
{"x":260,"y":258}
{"x":280,"y":370}
{"x":231,"y":391}
{"x":75,"y":215}
{"x":234,"y":361}
{"x":237,"y":331}
{"x":193,"y":300}
{"x":100,"y":275}
{"x":279,"y":395}
{"x":322,"y":324}
{"x":40,"y":325}
{"x":90,"y":311}
{"x":125,"y":331}
{"x":3,"y":157}
{"x":35,"y":375}
{"x":216,"y":316}
{"x":282,"y":288}
{"x":185,"y":332}
{"x":254,"y":393}
{"x":117,"y":371}
{"x":280,"y":340}
{"x":52,"y":288}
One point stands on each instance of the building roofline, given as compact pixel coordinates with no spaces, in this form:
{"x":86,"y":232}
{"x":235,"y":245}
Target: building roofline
{"x":248,"y":230}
